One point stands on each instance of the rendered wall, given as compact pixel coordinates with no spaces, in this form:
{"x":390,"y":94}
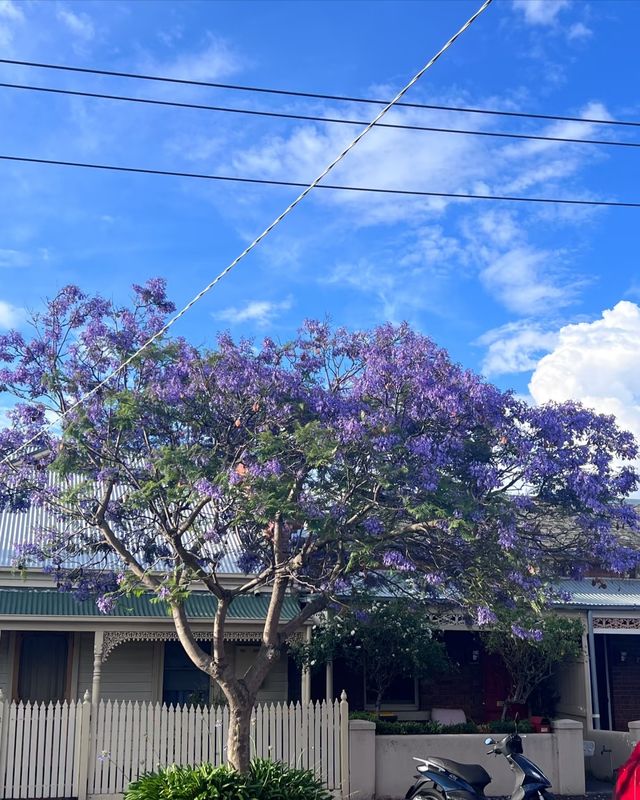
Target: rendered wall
{"x":390,"y":759}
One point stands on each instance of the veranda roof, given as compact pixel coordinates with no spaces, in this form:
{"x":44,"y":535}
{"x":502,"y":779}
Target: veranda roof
{"x":26,"y":601}
{"x":606,"y":593}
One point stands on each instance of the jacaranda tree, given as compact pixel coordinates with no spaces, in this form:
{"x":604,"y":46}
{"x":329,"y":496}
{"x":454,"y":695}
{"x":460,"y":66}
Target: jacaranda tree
{"x":340,"y":460}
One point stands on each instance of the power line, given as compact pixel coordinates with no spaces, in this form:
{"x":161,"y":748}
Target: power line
{"x":309,"y":117}
{"x":258,"y":238}
{"x":314,"y":95}
{"x":331,"y":186}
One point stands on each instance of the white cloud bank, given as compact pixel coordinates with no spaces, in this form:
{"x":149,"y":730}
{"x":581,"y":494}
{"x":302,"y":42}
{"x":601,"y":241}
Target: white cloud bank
{"x":597,"y":363}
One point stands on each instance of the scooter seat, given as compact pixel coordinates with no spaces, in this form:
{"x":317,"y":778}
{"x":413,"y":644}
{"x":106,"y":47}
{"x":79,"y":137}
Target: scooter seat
{"x":474,"y":774}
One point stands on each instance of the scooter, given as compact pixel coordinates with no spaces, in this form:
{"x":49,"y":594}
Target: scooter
{"x":444,"y":779}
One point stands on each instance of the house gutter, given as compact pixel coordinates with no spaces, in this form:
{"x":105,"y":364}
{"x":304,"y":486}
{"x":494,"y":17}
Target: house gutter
{"x":593,"y":671}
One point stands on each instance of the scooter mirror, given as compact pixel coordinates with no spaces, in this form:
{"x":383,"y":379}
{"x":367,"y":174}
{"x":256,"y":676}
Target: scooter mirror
{"x":489,"y":741}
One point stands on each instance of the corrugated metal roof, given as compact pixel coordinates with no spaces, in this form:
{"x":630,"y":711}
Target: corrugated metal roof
{"x":19,"y":528}
{"x":616,"y":593}
{"x":24,"y":601}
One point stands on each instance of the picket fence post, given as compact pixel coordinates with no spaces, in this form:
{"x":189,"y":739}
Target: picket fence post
{"x":86,"y":746}
{"x":344,"y":745}
{"x":4,"y":743}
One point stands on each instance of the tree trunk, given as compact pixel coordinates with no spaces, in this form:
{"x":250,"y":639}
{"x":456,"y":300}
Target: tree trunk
{"x":239,"y":738}
{"x":378,"y":702}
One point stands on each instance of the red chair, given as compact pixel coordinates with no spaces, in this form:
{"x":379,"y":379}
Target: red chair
{"x":628,"y":780}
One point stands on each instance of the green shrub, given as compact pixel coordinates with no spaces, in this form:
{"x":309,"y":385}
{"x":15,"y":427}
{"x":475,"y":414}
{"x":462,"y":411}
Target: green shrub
{"x":508,"y":726}
{"x":409,"y":727}
{"x":266,"y":780}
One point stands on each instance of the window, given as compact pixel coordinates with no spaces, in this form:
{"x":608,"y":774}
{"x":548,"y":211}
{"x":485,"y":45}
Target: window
{"x":401,"y":694}
{"x":183,"y":683}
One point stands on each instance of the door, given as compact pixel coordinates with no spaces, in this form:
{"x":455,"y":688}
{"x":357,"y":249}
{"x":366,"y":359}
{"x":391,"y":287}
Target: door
{"x":42,"y":667}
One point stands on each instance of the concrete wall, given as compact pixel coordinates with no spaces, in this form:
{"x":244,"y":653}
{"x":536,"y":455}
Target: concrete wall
{"x":390,"y":759}
{"x":612,"y":749}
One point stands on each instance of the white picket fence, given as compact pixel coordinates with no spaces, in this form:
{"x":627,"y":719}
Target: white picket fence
{"x":59,"y":751}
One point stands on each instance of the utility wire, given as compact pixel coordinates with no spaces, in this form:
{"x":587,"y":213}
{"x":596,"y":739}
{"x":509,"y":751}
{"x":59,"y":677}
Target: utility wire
{"x":258,"y":238}
{"x":333,"y":186}
{"x":309,"y":117}
{"x":313,"y":95}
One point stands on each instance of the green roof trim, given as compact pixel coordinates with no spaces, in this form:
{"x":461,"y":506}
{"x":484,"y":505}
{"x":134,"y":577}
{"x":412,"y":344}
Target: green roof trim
{"x":25,"y":601}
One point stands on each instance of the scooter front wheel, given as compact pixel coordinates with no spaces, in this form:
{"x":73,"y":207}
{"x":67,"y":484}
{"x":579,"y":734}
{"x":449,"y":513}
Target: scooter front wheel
{"x":429,"y":794}
{"x":544,"y":795}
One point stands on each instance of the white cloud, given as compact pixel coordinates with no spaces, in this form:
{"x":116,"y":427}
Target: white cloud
{"x":523,"y":274}
{"x":213,"y":61}
{"x":597,"y":363}
{"x":405,"y":278}
{"x":10,"y":10}
{"x":261,"y":312}
{"x":579,"y":31}
{"x":10,"y":316}
{"x":10,"y":14}
{"x":13,"y":258}
{"x":386,"y":158}
{"x":540,"y":12}
{"x":524,"y":278}
{"x":515,"y":347}
{"x":79,"y":24}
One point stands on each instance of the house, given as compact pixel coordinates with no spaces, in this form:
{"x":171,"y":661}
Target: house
{"x":54,"y":647}
{"x":602,"y":690}
{"x":133,"y":653}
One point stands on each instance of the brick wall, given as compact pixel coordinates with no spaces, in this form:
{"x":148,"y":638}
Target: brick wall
{"x":464,"y":687}
{"x":624,"y":676}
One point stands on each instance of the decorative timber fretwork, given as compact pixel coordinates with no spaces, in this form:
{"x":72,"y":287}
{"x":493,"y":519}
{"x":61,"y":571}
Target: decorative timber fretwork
{"x":616,"y":623}
{"x":448,"y":620}
{"x":112,"y":639}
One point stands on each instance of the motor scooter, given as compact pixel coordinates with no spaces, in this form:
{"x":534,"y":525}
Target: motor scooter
{"x":444,"y":779}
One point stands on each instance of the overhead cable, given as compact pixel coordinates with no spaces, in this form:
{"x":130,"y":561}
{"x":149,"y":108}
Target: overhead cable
{"x":309,"y":117}
{"x":314,"y":95}
{"x":331,"y":186}
{"x":258,"y":238}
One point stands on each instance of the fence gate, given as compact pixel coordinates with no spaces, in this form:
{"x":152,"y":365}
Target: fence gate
{"x":58,"y":751}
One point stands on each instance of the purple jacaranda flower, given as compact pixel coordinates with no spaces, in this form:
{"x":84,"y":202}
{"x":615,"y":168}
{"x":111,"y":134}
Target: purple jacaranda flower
{"x":532,"y":634}
{"x":485,"y":616}
{"x":105,"y":604}
{"x":393,"y":559}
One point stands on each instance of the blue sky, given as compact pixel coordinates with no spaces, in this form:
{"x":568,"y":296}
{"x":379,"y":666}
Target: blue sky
{"x":542,"y":299}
